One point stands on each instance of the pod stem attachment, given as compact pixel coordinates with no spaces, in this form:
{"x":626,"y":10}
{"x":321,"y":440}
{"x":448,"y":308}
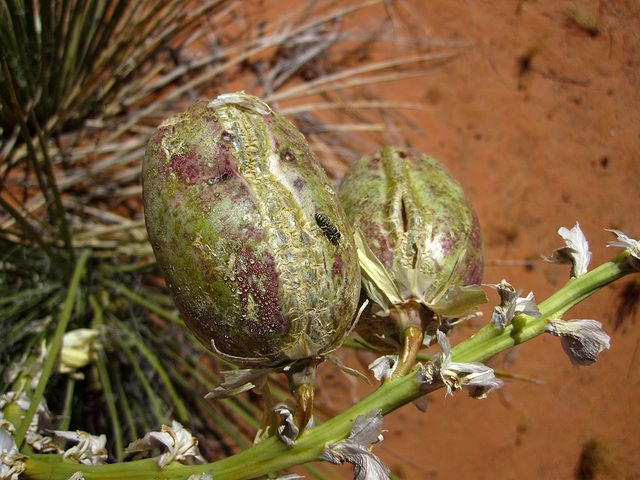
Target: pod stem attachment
{"x":412,"y":319}
{"x":411,"y":343}
{"x":302,"y":379}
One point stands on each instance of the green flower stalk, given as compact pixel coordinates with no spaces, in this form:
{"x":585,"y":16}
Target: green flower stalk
{"x":272,"y":455}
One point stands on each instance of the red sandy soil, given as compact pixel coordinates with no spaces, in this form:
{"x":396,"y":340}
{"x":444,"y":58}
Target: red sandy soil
{"x":540,"y":122}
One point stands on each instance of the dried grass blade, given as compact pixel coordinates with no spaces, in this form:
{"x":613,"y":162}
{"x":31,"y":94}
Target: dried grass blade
{"x":235,"y":58}
{"x":321,"y":84}
{"x":364,"y":104}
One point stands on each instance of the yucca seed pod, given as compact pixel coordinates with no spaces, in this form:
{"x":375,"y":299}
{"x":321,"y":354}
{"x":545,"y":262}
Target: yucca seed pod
{"x":421,"y":233}
{"x":232,"y":196}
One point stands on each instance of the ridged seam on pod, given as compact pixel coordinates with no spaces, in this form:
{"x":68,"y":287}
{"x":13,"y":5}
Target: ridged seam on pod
{"x":403,"y":199}
{"x":231,"y":193}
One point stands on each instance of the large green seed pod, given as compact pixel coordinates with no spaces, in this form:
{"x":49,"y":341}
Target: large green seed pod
{"x":420,"y":225}
{"x":248,"y":232}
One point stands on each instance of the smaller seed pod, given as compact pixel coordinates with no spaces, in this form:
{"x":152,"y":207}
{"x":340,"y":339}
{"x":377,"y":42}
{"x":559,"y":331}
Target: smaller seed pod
{"x":420,"y":248}
{"x":245,"y":226}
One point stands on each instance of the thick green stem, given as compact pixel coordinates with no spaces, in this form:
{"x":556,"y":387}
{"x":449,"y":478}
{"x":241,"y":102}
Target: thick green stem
{"x":272,"y":455}
{"x":489,"y":341}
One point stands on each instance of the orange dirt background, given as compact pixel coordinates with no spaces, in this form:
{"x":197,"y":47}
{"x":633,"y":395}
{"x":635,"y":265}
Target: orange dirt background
{"x":536,"y":148}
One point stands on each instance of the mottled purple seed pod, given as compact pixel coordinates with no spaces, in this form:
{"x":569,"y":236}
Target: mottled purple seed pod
{"x":232,"y":193}
{"x":413,"y":215}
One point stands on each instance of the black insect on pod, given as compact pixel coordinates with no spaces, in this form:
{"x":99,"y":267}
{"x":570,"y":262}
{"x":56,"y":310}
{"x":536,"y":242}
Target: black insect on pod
{"x":328,"y":228}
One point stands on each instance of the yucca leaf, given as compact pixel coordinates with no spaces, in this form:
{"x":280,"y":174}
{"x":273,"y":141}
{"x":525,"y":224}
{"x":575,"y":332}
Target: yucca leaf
{"x":56,"y":344}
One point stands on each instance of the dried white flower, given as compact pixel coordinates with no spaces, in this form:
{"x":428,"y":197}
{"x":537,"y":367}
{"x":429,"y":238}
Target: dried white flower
{"x":240,"y":380}
{"x":79,"y":475}
{"x":511,"y":304}
{"x":29,"y":366}
{"x":39,"y":442}
{"x":41,"y":421}
{"x":280,"y":422}
{"x":582,"y":340}
{"x":441,"y":370}
{"x":287,"y":430}
{"x":383,"y":367}
{"x":19,"y":398}
{"x":203,"y":476}
{"x":79,"y":349}
{"x":366,"y":432}
{"x":575,"y":253}
{"x":632,"y":246}
{"x":12,"y":461}
{"x":480,"y":380}
{"x":90,"y":449}
{"x":6,"y":424}
{"x":179,"y":442}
